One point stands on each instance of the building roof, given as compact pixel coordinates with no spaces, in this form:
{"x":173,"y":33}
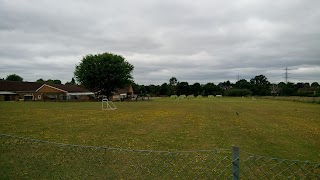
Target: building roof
{"x":7,"y":93}
{"x":69,"y":88}
{"x":17,"y":86}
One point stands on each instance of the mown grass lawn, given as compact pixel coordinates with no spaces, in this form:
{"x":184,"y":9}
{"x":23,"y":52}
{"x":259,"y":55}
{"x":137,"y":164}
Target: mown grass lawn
{"x":266,"y":127}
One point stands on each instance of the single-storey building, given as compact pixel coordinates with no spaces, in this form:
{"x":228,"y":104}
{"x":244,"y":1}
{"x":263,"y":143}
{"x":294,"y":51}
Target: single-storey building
{"x":42,"y":91}
{"x":24,"y":90}
{"x":65,"y":92}
{"x":123,"y":93}
{"x":8,"y":96}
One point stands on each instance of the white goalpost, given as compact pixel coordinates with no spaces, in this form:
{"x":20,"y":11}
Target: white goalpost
{"x":108,"y":105}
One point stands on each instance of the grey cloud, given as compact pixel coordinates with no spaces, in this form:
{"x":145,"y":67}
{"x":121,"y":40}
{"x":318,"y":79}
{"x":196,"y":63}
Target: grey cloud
{"x":196,"y":41}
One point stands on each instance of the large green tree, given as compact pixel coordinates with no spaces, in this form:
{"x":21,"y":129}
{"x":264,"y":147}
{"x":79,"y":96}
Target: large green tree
{"x":104,"y":72}
{"x":14,"y":77}
{"x":211,"y":89}
{"x":242,"y":84}
{"x":260,"y":86}
{"x":173,"y":85}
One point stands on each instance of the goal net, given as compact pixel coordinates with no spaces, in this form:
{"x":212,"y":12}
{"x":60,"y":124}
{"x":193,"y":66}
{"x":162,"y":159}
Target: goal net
{"x":108,"y":105}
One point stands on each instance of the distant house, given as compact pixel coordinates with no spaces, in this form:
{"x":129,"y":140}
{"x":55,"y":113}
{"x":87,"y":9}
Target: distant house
{"x":23,"y":90}
{"x":122,"y":93}
{"x":42,"y":91}
{"x":65,"y":92}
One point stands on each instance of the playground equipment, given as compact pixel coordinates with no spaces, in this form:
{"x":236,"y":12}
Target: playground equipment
{"x":108,"y":105}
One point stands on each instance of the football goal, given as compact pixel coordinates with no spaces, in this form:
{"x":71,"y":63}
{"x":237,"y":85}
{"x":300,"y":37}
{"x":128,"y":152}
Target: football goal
{"x":108,"y":105}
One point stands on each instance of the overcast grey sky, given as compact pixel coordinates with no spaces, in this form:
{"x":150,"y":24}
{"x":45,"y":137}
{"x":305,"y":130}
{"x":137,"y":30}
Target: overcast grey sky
{"x":194,"y":41}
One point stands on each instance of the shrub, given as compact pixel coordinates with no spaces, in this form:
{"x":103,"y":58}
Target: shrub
{"x":210,"y":96}
{"x":173,"y":96}
{"x":190,"y":96}
{"x":239,"y":92}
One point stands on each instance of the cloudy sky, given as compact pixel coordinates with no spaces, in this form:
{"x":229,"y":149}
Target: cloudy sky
{"x":194,"y":41}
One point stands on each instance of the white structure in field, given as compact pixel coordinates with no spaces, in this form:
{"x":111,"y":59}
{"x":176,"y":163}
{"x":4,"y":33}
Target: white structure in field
{"x":108,"y":105}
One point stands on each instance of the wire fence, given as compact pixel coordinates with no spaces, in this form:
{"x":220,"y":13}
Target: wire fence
{"x":24,"y":158}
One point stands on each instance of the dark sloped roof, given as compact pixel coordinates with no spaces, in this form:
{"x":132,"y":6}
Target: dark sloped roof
{"x":18,"y":86}
{"x":69,"y":88}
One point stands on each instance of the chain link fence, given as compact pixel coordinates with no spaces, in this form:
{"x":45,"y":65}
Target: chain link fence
{"x":24,"y":158}
{"x":260,"y":167}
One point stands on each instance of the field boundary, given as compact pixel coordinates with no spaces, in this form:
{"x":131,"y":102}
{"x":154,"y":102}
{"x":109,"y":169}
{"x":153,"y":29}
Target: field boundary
{"x":315,"y":100}
{"x":31,"y":158}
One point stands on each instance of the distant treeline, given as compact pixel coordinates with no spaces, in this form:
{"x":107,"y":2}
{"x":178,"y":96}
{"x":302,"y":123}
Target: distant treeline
{"x":257,"y":86}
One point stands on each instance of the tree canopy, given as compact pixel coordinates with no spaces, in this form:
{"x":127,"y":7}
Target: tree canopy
{"x":173,"y":84}
{"x":182,"y":88}
{"x":55,"y":81}
{"x":260,"y":85}
{"x":242,"y":84}
{"x":14,"y":77}
{"x":72,"y":82}
{"x":104,"y":72}
{"x":315,"y":84}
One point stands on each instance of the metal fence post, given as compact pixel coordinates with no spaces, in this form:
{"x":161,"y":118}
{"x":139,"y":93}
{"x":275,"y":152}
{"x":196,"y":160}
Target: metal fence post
{"x":235,"y":163}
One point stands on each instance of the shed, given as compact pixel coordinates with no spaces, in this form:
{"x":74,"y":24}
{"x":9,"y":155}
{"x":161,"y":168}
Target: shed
{"x":8,"y":96}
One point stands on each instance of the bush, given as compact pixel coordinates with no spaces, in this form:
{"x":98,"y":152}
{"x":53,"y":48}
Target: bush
{"x":182,"y":96}
{"x":190,"y":96}
{"x":173,"y":96}
{"x":210,"y":96}
{"x":238,"y":92}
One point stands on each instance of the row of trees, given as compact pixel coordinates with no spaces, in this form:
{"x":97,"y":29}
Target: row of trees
{"x":50,"y":81}
{"x":56,"y":81}
{"x":259,"y":85}
{"x":15,"y":77}
{"x":181,"y":88}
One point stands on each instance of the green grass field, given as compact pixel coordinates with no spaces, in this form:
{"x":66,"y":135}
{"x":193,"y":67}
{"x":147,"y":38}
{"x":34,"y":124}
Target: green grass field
{"x":272,"y":128}
{"x":164,"y":129}
{"x":265,"y":127}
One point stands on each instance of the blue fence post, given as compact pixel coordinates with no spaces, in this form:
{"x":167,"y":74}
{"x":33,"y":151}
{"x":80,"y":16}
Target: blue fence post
{"x":235,"y":163}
